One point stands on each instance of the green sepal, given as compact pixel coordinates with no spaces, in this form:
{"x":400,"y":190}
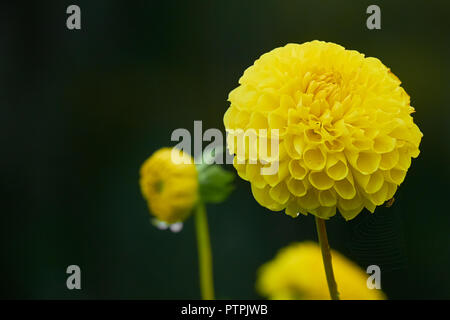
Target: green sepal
{"x":215,"y":183}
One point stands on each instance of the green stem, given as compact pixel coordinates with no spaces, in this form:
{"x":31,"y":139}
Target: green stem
{"x":326,"y":256}
{"x":204,"y":253}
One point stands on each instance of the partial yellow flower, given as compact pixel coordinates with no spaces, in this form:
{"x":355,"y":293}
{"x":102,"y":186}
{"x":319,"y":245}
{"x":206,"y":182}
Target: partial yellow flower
{"x":169,"y":183}
{"x":297,"y":273}
{"x":346,"y":134}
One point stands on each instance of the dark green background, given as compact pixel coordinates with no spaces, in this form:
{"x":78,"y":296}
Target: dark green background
{"x":81,"y":110}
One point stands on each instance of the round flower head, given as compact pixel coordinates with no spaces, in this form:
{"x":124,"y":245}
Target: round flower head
{"x":343,"y":123}
{"x":297,"y":273}
{"x":169,"y":184}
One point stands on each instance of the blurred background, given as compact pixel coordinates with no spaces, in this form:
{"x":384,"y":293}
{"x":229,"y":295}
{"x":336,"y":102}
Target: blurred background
{"x":81,"y":110}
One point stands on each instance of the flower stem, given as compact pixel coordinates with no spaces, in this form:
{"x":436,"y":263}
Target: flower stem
{"x":204,"y":253}
{"x":326,"y":256}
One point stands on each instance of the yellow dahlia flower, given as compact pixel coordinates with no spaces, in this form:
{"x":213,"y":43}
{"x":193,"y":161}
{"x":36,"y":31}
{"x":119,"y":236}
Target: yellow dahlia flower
{"x":169,"y":184}
{"x":297,"y":272}
{"x":345,"y":130}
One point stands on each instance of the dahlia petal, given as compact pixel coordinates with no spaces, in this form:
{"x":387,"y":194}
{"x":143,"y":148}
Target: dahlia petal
{"x":369,"y":205}
{"x":241,"y":168}
{"x":367,"y":162}
{"x":314,"y":158}
{"x":311,"y":136}
{"x":400,"y":132}
{"x":334,"y":145}
{"x":337,"y":111}
{"x":395,"y":175}
{"x":320,"y":180}
{"x":282,"y":153}
{"x":414,"y":153}
{"x":362,"y":143}
{"x":309,"y":201}
{"x":350,"y":208}
{"x":252,"y":171}
{"x":352,"y":213}
{"x":404,"y":160}
{"x":336,"y":166}
{"x":259,"y":181}
{"x":315,"y":106}
{"x":380,"y":197}
{"x":350,"y":204}
{"x":375,"y":182}
{"x":243,"y":97}
{"x":283,"y":170}
{"x":241,"y":119}
{"x":297,"y":169}
{"x":293,"y":209}
{"x":391,"y":191}
{"x":389,"y":160}
{"x":327,"y":198}
{"x":257,"y":121}
{"x":345,"y":188}
{"x":286,"y":102}
{"x":277,"y":121}
{"x":297,"y":187}
{"x":272,"y":179}
{"x":325,"y":212}
{"x":280,"y":193}
{"x":416,"y":135}
{"x":262,"y":196}
{"x":229,"y":117}
{"x":288,"y":144}
{"x":383,"y":144}
{"x":294,"y":117}
{"x":299,"y":144}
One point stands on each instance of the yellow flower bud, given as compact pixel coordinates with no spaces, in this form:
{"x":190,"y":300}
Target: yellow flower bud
{"x":169,"y":183}
{"x":297,"y":272}
{"x":345,"y":130}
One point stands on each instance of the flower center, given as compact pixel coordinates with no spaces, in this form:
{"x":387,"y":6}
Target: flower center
{"x":324,"y":85}
{"x":322,"y":90}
